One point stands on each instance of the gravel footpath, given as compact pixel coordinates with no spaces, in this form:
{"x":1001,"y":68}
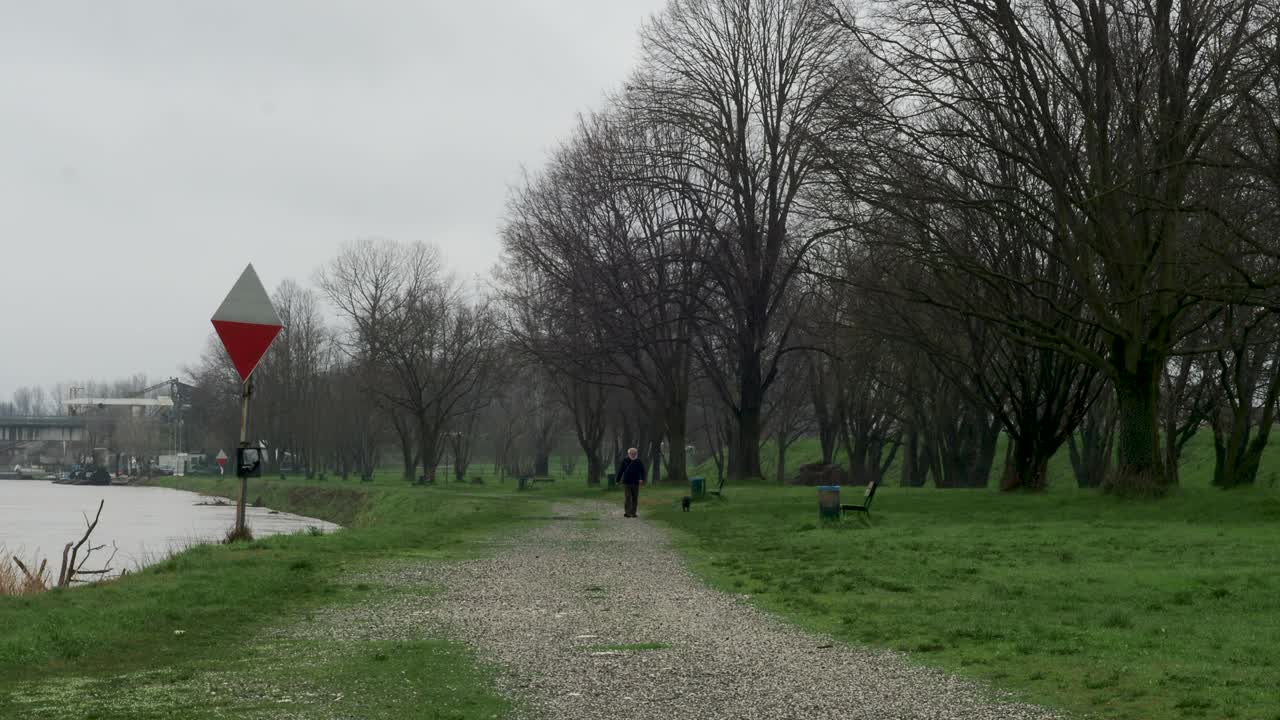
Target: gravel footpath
{"x":547,"y":608}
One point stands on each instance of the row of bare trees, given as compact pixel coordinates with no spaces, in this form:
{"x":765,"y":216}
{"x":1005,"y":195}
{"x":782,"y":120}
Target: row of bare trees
{"x":415,"y":361}
{"x":915,"y":226}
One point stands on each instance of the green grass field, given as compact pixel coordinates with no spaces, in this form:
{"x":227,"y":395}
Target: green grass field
{"x":1107,"y":608}
{"x":169,"y":641}
{"x":1103,"y":607}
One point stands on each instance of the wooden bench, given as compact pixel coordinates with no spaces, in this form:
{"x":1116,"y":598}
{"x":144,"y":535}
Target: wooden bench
{"x":865,"y":507}
{"x":719,"y":488}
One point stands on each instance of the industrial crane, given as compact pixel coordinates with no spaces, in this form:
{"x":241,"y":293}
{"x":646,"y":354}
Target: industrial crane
{"x":74,"y":404}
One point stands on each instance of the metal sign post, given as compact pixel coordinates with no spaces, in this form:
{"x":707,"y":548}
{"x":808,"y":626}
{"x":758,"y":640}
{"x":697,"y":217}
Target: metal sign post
{"x":246,"y":323}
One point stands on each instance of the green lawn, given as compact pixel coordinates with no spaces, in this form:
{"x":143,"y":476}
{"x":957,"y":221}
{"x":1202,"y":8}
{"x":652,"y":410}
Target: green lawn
{"x":172,"y":640}
{"x":1118,"y":609}
{"x":1108,"y":608}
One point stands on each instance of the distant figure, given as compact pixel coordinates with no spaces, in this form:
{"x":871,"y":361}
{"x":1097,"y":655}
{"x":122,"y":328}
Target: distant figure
{"x":631,"y":475}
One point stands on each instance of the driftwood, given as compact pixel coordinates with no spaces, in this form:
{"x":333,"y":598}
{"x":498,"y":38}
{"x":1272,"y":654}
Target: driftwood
{"x":34,"y":580}
{"x":70,"y":568}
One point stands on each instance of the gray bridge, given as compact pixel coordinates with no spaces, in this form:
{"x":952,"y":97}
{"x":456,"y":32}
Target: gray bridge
{"x":18,"y":430}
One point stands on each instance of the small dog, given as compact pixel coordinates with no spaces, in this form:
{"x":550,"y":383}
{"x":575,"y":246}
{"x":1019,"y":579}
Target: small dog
{"x":685,"y":502}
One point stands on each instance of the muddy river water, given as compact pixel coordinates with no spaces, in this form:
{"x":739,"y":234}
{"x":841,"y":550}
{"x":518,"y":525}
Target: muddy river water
{"x":146,"y":524}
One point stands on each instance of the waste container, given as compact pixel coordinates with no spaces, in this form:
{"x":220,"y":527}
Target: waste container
{"x":828,"y":502}
{"x":697,"y":486}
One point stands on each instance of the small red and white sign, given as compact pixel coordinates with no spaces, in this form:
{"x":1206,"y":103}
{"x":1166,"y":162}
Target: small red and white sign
{"x":246,"y":322}
{"x":222,"y":460}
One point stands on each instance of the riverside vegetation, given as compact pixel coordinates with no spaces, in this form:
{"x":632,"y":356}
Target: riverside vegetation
{"x":193,"y":635}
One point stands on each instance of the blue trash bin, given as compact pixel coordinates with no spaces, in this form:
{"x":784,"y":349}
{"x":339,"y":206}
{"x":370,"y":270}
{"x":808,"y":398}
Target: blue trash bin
{"x":697,"y":486}
{"x":828,"y":502}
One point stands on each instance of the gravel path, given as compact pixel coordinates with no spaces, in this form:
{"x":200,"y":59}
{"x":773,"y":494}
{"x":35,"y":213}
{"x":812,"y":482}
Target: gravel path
{"x":550,"y":608}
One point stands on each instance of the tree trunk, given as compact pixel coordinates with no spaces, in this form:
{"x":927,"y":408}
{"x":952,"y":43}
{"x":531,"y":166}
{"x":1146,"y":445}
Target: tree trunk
{"x":744,"y":458}
{"x":595,"y":468}
{"x":542,"y":464}
{"x":1091,"y":456}
{"x":828,"y":423}
{"x":915,"y":464}
{"x":1027,"y":467}
{"x":987,"y":439}
{"x":1172,"y":452}
{"x":909,"y":458}
{"x":827,"y":434}
{"x":1247,"y":470}
{"x":405,"y":436}
{"x":677,"y":462}
{"x":427,"y":449}
{"x":857,"y":444}
{"x":1139,"y":470}
{"x":410,"y":462}
{"x":1237,"y":456}
{"x":965,"y":451}
{"x":781,"y":473}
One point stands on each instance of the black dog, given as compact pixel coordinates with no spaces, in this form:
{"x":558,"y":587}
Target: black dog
{"x":685,"y":502}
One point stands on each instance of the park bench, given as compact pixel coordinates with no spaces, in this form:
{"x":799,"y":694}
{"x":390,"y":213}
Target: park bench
{"x":719,"y":488}
{"x":865,"y":507}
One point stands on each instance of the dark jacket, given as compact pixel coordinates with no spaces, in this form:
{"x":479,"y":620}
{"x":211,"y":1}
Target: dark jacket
{"x":631,"y":472}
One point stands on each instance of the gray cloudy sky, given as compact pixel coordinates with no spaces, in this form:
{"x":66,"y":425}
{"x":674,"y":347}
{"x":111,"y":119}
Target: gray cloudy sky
{"x":148,"y":150}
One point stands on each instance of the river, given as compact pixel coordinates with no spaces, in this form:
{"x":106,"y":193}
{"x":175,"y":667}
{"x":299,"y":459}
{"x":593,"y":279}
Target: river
{"x":37,"y":518}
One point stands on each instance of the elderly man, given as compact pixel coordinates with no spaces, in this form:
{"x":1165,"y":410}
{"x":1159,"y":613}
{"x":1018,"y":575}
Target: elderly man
{"x":631,"y":477}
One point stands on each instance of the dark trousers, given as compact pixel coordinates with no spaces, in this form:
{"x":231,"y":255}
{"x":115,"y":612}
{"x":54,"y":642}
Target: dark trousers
{"x":633,"y":494}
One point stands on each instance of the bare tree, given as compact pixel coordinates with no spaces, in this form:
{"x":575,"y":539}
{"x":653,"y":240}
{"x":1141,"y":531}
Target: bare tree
{"x":1114,"y":112}
{"x":1247,"y":373}
{"x":290,"y":390}
{"x":1092,"y":453}
{"x":746,"y":82}
{"x":371,"y":283}
{"x":606,"y":271}
{"x":431,"y":346}
{"x":788,"y":414}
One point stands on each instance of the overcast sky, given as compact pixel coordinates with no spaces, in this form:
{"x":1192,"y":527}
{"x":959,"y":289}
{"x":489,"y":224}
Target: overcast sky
{"x":148,"y":150}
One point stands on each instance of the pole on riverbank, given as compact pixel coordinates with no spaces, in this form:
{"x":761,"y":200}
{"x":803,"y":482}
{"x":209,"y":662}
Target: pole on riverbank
{"x":245,"y":392}
{"x":247,"y":323}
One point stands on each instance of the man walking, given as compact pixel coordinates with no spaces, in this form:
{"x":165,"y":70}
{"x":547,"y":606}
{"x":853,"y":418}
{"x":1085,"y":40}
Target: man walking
{"x":631,"y":476}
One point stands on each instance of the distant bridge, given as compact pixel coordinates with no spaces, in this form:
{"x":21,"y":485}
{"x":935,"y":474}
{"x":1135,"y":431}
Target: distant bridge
{"x":14,"y":430}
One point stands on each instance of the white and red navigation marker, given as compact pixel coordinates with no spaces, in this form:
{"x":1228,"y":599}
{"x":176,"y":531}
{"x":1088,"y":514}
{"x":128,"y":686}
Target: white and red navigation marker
{"x":246,"y":322}
{"x":222,"y":460}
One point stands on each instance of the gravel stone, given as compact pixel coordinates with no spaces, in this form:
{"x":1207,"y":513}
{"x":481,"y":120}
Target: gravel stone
{"x":550,"y":609}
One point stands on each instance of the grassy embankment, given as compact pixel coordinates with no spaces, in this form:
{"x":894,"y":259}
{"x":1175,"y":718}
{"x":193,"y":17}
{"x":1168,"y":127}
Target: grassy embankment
{"x":1107,"y":608}
{"x":197,"y":635}
{"x":1118,"y":609}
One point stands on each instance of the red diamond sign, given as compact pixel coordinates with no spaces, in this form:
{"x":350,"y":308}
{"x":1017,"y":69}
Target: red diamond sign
{"x":247,"y":323}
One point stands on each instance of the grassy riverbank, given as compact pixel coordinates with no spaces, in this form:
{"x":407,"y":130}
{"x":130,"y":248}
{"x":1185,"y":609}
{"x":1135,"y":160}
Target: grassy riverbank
{"x":1107,"y":608}
{"x":186,"y":637}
